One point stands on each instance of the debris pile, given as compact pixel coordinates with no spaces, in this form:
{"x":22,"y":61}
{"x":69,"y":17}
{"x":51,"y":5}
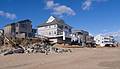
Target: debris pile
{"x":34,"y":48}
{"x":29,"y":45}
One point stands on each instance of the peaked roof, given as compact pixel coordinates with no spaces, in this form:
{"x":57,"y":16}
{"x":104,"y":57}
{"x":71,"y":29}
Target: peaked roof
{"x":51,"y":21}
{"x":51,"y":18}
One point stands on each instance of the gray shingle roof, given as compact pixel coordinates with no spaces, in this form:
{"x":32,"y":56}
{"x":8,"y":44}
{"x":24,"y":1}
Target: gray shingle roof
{"x":55,"y":21}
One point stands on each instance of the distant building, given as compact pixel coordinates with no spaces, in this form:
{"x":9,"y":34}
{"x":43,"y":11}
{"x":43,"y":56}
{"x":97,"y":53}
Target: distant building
{"x":82,"y":38}
{"x":79,"y":36}
{"x":20,"y":29}
{"x":55,"y":29}
{"x":104,"y":40}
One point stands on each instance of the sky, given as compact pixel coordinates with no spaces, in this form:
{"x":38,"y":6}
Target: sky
{"x":94,"y":16}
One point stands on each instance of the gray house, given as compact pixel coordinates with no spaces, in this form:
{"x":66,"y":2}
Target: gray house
{"x":82,"y":38}
{"x":79,"y":35}
{"x":55,"y":29}
{"x":20,"y":29}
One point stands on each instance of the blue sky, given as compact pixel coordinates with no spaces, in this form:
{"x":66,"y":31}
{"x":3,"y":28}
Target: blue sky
{"x":95,"y":16}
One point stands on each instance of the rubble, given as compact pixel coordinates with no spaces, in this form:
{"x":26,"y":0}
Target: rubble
{"x":35,"y":48}
{"x":29,"y":45}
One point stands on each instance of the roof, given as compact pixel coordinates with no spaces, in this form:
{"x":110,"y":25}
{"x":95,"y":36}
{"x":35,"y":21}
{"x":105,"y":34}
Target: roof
{"x":21,"y":21}
{"x":9,"y":24}
{"x":52,"y":21}
{"x":80,"y":31}
{"x":105,"y":36}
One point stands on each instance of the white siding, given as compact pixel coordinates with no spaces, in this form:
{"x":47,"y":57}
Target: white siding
{"x":48,"y":31}
{"x":52,"y":31}
{"x":103,"y":40}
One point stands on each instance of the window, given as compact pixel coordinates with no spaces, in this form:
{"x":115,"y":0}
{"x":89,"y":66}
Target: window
{"x":48,"y":27}
{"x":55,"y":26}
{"x":66,"y":27}
{"x":55,"y":32}
{"x":69,"y":30}
{"x":49,"y":33}
{"x":23,"y":25}
{"x":60,"y":26}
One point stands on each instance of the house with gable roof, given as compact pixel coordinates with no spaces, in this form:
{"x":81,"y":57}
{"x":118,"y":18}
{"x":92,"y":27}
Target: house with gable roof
{"x":55,"y":29}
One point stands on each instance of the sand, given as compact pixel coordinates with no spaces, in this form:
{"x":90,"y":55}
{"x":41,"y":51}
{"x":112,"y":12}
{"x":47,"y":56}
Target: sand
{"x":80,"y":58}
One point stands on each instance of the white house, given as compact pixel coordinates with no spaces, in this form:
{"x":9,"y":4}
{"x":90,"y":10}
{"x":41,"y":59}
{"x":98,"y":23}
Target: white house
{"x":104,"y":40}
{"x":55,"y":29}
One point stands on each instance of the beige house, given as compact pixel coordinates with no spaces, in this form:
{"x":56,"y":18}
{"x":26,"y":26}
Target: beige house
{"x":55,"y":29}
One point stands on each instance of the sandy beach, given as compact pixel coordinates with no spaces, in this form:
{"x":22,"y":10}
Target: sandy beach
{"x":80,"y":58}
